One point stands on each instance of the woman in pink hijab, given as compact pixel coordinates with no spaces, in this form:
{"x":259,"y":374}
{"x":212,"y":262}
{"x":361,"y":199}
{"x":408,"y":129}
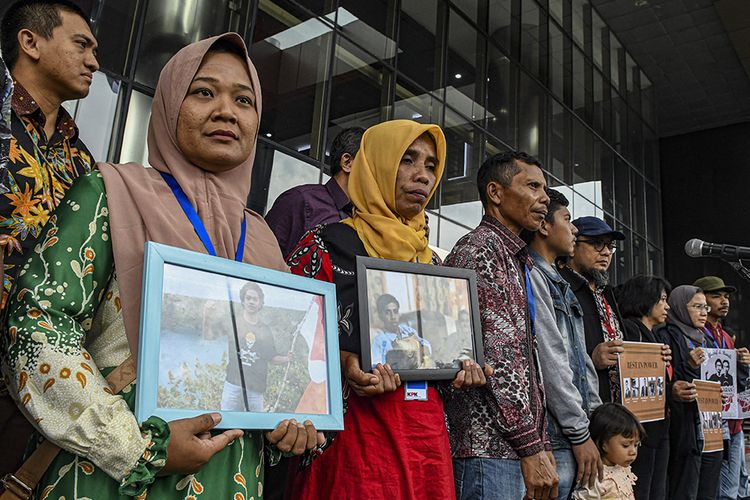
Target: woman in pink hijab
{"x":74,"y":315}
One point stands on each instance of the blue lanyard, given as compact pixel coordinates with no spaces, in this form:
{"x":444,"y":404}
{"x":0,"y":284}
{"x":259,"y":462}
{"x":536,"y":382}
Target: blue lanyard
{"x":530,"y":299}
{"x":197,"y":223}
{"x":693,"y":343}
{"x":708,"y":333}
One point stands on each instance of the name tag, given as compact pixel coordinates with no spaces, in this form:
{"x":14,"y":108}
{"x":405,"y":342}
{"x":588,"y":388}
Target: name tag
{"x":415,"y":391}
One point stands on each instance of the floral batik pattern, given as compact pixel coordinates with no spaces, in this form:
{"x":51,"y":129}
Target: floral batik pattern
{"x":6,"y":91}
{"x":506,"y":418}
{"x":65,"y":333}
{"x":39,"y":172}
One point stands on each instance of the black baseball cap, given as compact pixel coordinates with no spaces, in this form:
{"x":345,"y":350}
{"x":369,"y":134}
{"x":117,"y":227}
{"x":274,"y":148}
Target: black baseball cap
{"x":594,"y":227}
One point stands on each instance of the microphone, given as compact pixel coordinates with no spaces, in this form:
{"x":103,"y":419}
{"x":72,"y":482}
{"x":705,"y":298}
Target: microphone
{"x":700,"y":248}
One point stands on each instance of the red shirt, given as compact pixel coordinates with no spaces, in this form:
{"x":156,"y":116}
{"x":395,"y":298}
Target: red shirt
{"x":724,"y":340}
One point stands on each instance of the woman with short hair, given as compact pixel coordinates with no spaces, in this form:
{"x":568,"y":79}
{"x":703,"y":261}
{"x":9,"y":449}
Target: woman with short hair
{"x":643,"y":305}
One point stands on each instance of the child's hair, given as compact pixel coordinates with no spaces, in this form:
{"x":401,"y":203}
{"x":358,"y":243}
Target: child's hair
{"x":612,"y":419}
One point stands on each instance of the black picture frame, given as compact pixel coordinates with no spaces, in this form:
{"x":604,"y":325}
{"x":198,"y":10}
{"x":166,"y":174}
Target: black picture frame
{"x":446,"y":367}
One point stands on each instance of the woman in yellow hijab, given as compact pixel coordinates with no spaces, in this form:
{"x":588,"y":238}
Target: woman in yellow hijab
{"x":390,"y":448}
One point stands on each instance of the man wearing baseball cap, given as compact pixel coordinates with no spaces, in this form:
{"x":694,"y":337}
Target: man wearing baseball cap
{"x":587,"y":275}
{"x":717,"y":297}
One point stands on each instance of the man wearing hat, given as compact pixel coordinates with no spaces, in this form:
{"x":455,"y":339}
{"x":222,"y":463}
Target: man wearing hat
{"x":588,"y":278}
{"x":717,"y":297}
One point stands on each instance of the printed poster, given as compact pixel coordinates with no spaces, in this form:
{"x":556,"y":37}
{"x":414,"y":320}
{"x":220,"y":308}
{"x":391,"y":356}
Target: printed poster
{"x":721,"y":366}
{"x":743,"y":401}
{"x":710,"y":407}
{"x":642,"y":380}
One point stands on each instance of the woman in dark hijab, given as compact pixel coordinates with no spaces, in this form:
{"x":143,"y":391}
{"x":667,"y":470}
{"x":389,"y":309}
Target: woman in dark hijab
{"x":693,"y":475}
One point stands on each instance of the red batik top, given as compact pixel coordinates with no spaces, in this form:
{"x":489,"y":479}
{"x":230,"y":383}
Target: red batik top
{"x":389,"y":448}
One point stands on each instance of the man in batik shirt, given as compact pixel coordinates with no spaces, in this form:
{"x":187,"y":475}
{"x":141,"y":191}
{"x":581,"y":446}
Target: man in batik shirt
{"x":498,"y":433}
{"x":6,"y":90}
{"x":50,"y":51}
{"x":51,"y":54}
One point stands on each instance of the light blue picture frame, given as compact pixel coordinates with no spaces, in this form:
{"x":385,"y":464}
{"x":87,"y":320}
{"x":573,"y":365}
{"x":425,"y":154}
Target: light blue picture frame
{"x":156,"y":257}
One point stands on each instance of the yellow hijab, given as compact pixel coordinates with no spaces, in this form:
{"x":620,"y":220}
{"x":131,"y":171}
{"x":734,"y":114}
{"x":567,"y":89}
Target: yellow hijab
{"x":372,"y":189}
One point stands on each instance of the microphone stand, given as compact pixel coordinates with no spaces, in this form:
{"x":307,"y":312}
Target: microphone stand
{"x":740,"y":268}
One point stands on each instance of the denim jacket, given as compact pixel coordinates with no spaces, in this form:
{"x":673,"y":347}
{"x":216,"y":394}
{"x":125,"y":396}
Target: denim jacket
{"x":569,"y":374}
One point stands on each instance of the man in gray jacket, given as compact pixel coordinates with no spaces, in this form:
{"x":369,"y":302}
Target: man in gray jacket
{"x":567,"y":370}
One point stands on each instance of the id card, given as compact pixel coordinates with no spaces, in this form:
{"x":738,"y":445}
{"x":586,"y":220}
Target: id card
{"x":415,"y":391}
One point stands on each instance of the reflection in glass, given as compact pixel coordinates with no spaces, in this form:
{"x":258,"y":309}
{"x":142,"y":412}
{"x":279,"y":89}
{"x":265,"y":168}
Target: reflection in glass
{"x":647,"y":100}
{"x":582,"y":205}
{"x":556,"y":11}
{"x":289,"y":172}
{"x":635,"y":140}
{"x":598,"y":32}
{"x":579,"y":82}
{"x":638,"y":202}
{"x":433,"y":222}
{"x":603,"y":157}
{"x":501,"y":99}
{"x":557,"y":68}
{"x":418,"y":57}
{"x":532,"y":38}
{"x":292,"y":59}
{"x":619,"y":122}
{"x":376,"y":14}
{"x":450,"y":232}
{"x":615,"y":54}
{"x":530,"y":116}
{"x":640,"y":255}
{"x":361,"y":89}
{"x":463,"y":148}
{"x":630,"y":69}
{"x":622,"y":191}
{"x":467,"y":50}
{"x":653,"y":215}
{"x":655,"y":261}
{"x":599,"y":111}
{"x":134,"y":147}
{"x":114,"y":35}
{"x":413,"y":103}
{"x":579,"y":11}
{"x":170,"y":25}
{"x":585,"y":169}
{"x":559,"y":141}
{"x":95,"y":114}
{"x":650,"y":155}
{"x":459,"y":196}
{"x":623,"y":259}
{"x":499,"y":28}
{"x":274,"y":172}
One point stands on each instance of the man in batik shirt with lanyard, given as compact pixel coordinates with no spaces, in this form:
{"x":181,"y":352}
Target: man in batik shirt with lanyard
{"x":498,"y":433}
{"x":588,"y":278}
{"x":51,"y":54}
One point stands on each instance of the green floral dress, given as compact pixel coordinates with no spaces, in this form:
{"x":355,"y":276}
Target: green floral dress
{"x":65,"y":333}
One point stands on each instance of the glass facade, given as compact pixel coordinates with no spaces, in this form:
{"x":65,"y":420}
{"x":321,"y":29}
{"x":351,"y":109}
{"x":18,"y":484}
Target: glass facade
{"x":547,"y":77}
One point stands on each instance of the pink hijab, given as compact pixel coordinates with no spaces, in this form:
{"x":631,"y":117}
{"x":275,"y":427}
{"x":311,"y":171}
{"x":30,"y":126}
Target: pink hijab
{"x":142,"y":207}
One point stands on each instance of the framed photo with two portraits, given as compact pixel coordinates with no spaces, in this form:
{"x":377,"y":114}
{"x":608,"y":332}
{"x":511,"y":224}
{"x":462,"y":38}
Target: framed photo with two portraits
{"x":256,"y":345}
{"x":423,"y":320}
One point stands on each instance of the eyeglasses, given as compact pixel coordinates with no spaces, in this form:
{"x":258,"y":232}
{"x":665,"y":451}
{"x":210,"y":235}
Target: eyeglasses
{"x":600,"y":244}
{"x":701,"y":307}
